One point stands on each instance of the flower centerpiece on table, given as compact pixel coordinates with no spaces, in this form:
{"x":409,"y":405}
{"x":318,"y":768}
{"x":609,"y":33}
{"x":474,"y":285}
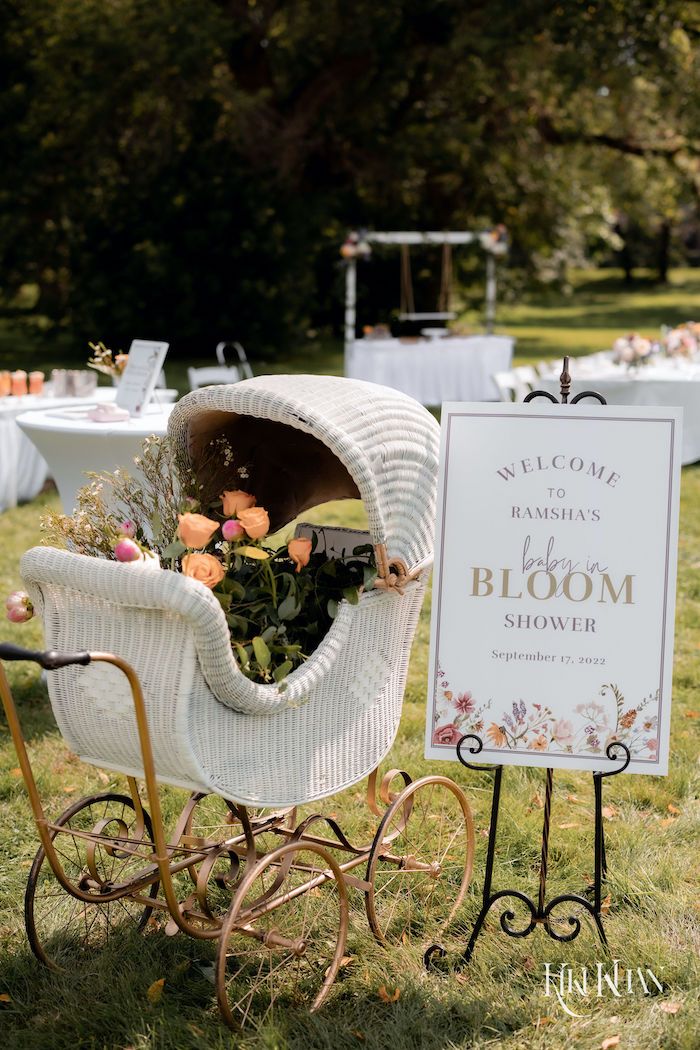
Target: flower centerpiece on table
{"x":279,"y":600}
{"x":683,"y":340}
{"x":106,"y":361}
{"x":633,"y":350}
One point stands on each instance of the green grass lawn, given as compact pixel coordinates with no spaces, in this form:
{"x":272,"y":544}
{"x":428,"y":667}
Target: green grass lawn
{"x":598,"y":308}
{"x":653,"y":838}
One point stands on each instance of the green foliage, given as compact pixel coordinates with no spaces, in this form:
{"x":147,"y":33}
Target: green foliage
{"x":277,"y":617}
{"x":192,"y":165}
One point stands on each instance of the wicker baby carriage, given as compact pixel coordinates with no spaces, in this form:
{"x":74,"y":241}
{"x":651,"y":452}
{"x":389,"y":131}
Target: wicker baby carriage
{"x":306,"y":440}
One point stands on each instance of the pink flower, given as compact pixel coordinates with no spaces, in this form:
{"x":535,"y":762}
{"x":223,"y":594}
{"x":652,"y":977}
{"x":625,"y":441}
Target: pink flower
{"x":128,"y":529}
{"x":652,"y":744}
{"x":449,"y":734}
{"x":464,"y":703}
{"x":127,"y":550}
{"x":563,"y":731}
{"x":19,"y":607}
{"x":232,"y":529}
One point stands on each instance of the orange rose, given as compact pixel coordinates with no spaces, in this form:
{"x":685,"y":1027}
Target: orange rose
{"x":121,"y":361}
{"x":236,"y":501}
{"x":255,"y":521}
{"x":203,"y":567}
{"x":299,"y":551}
{"x":195,"y":530}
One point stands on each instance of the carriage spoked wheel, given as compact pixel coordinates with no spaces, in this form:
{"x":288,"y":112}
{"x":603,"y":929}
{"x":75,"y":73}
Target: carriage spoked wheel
{"x":282,"y":943}
{"x":60,"y":925}
{"x":233,"y":838}
{"x":421,"y":860}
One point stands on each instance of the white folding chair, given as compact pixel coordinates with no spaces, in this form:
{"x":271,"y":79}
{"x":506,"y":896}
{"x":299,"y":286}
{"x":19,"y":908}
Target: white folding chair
{"x":243,"y":362}
{"x":526,"y":377}
{"x":217,"y":374}
{"x":507,"y":386}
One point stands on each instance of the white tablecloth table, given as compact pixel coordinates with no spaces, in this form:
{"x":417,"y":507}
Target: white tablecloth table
{"x":23,"y":470}
{"x":673,"y":385}
{"x":75,"y":444}
{"x":433,"y":370}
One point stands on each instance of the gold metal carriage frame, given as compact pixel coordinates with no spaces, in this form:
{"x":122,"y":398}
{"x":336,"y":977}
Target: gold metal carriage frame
{"x":272,"y":892}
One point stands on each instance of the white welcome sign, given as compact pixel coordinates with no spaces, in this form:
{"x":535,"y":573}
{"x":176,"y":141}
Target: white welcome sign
{"x":138,"y":381}
{"x":554,"y":583}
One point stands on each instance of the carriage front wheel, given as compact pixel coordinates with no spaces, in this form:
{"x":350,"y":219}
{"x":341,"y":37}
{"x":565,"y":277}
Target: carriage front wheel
{"x":59,"y":924}
{"x":421,"y":861}
{"x":283,"y":940}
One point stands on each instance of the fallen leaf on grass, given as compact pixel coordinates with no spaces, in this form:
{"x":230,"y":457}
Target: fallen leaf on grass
{"x":609,"y":812}
{"x":692,"y":714}
{"x":670,"y":1008}
{"x":536,"y":800}
{"x":389,"y":997}
{"x":666,"y":822}
{"x":672,"y":809}
{"x":345,"y":961}
{"x":195,"y":1030}
{"x":155,"y":992}
{"x":604,"y":909}
{"x":613,"y":1040}
{"x":359,"y":1035}
{"x":16,"y":772}
{"x":572,"y":798}
{"x":570,"y":824}
{"x":529,"y":963}
{"x":540,"y":1022}
{"x":69,"y":789}
{"x":102,"y":777}
{"x":5,"y":998}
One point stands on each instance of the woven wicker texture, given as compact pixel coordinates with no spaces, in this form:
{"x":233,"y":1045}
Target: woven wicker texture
{"x":388,"y":443}
{"x":335,"y":717}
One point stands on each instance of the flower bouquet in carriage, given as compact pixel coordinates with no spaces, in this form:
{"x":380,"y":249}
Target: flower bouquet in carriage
{"x":190,"y":647}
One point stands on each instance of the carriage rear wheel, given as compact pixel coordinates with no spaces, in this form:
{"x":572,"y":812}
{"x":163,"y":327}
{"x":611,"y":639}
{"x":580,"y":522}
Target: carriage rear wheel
{"x":283,"y":940}
{"x":421,"y":861}
{"x":58,"y":924}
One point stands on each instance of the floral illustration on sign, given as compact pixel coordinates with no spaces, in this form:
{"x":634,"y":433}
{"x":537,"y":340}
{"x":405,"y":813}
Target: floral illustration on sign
{"x":456,"y":714}
{"x":590,"y":727}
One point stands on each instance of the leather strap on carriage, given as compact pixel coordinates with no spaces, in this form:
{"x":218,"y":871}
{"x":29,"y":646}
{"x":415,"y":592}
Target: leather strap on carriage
{"x":391,"y":575}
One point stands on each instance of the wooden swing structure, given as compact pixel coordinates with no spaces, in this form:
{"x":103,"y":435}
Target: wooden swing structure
{"x":492,"y":242}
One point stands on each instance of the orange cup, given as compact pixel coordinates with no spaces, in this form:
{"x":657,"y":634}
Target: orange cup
{"x":36,"y":382}
{"x":5,"y":384}
{"x":19,"y":383}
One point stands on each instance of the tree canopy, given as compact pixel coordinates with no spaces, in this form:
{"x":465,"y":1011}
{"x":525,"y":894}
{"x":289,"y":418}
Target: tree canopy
{"x":189,"y":167}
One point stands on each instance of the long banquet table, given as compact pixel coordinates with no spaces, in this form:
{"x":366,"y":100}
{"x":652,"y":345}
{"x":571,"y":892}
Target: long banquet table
{"x":673,"y":383}
{"x":433,"y":370}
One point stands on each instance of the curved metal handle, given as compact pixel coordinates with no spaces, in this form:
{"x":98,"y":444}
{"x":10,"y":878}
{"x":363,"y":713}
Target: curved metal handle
{"x":50,"y":660}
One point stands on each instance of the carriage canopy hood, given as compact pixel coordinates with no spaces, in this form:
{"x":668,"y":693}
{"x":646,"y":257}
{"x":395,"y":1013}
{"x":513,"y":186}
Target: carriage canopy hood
{"x":304,"y":440}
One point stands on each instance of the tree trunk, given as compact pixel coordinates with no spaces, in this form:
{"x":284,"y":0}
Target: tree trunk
{"x":664,"y":245}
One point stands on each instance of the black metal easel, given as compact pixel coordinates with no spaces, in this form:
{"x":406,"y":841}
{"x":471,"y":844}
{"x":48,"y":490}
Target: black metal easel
{"x":541,"y":910}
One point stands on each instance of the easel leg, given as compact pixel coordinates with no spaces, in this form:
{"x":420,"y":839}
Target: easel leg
{"x":486,"y":900}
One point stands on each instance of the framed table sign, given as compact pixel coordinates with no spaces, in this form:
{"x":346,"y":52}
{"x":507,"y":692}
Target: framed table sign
{"x":554,"y":583}
{"x":138,"y":381}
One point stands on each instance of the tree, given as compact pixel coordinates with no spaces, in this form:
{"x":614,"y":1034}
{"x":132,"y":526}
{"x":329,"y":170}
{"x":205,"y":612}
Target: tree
{"x":189,"y":167}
